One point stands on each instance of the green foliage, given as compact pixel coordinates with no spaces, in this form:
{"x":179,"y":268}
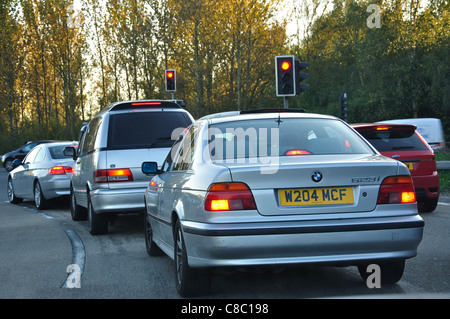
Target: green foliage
{"x":399,"y":70}
{"x":54,"y":76}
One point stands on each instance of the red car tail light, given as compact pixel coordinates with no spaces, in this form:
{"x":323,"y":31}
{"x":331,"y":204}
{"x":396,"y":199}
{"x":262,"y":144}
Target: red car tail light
{"x":229,"y":196}
{"x":397,"y":190}
{"x":60,"y":170}
{"x":113,"y":175}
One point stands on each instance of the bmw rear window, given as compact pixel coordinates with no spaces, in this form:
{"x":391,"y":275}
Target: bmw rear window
{"x":285,"y":137}
{"x":57,"y":152}
{"x":394,"y":140}
{"x":144,"y":129}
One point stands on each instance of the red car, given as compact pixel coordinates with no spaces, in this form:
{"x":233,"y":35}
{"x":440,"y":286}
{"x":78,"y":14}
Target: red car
{"x":404,"y":143}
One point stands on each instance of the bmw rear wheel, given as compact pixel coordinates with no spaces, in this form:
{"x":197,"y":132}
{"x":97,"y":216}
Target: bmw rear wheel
{"x":390,"y":271}
{"x":189,"y":281}
{"x":39,"y":198}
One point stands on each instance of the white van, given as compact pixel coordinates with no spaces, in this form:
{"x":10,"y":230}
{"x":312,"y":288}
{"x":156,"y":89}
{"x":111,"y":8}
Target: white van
{"x":429,"y":128}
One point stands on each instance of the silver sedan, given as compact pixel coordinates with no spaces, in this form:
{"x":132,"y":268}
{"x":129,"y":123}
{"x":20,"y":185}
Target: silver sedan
{"x":43,"y":174}
{"x":278,"y":188}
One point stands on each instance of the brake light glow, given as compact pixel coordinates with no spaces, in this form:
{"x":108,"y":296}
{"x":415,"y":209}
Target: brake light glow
{"x":382,"y":128}
{"x":145,"y":103}
{"x":229,"y":196}
{"x":397,"y":190}
{"x":297,"y":152}
{"x":113,"y":175}
{"x":60,"y":170}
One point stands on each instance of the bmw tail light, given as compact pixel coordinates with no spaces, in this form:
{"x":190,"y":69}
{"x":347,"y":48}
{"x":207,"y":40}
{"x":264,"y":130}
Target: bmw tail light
{"x":113,"y":175}
{"x":229,"y":196}
{"x":60,"y":170}
{"x":397,"y":190}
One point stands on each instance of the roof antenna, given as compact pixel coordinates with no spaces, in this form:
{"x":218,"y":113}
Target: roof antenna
{"x":279,"y":119}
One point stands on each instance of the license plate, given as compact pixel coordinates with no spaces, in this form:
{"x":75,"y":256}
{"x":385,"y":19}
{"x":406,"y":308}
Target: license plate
{"x":316,"y":196}
{"x":409,"y":165}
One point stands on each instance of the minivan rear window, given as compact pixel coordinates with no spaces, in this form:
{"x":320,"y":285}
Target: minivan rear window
{"x":144,"y":129}
{"x":394,"y":140}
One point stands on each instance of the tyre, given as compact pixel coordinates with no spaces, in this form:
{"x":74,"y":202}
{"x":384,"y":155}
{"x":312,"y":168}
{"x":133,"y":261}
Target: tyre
{"x":152,"y":249}
{"x":427,"y":205}
{"x":76,"y":211}
{"x":189,"y":281}
{"x":97,"y":223}
{"x":9,"y":165}
{"x":10,"y":191}
{"x":391,"y":271}
{"x":39,"y":198}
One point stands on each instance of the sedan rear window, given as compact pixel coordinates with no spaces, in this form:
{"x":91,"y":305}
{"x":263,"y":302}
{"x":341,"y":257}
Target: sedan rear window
{"x":283,"y":137}
{"x":144,"y":129}
{"x":394,"y":140}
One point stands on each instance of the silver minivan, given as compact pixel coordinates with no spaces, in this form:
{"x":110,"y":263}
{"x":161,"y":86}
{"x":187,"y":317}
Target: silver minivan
{"x":107,"y":177}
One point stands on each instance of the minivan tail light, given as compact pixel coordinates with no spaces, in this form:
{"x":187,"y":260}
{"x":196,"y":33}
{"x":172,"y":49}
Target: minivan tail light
{"x":113,"y":175}
{"x":397,"y":190}
{"x":60,"y":170}
{"x":229,"y":196}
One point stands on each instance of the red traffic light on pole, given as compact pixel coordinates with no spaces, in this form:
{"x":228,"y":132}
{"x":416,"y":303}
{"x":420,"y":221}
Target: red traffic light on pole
{"x":285,"y":75}
{"x":171,"y":80}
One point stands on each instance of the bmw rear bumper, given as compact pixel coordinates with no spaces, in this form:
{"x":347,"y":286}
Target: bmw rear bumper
{"x":55,"y":186}
{"x":332,"y":241}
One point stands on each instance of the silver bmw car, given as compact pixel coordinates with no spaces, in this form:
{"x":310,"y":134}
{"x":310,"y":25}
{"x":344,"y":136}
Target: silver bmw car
{"x":278,"y":188}
{"x":43,"y":174}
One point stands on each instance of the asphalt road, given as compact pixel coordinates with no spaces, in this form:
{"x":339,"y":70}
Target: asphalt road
{"x":36,"y":249}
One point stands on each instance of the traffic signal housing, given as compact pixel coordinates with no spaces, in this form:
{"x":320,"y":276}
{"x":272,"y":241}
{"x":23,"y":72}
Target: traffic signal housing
{"x":171,"y":80}
{"x":285,"y":75}
{"x":343,"y":106}
{"x":300,"y":66}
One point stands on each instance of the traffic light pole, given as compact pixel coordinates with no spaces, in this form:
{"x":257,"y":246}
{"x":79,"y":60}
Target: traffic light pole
{"x":286,"y":102}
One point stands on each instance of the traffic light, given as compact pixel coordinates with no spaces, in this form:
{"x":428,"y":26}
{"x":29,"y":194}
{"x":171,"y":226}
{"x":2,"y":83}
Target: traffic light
{"x":171,"y":80}
{"x":301,"y":76}
{"x":285,"y":75}
{"x":343,"y":106}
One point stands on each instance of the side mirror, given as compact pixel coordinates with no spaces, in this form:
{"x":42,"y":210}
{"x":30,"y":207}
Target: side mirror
{"x":70,"y":151}
{"x":150,"y":168}
{"x":16,"y":163}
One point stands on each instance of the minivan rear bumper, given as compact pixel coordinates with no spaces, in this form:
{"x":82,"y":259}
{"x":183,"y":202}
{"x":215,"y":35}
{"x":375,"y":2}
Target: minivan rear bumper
{"x":118,"y":200}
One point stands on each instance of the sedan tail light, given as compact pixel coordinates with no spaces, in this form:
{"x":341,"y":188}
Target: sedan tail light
{"x":229,"y":196}
{"x":397,"y":190}
{"x":60,"y":170}
{"x":113,"y":175}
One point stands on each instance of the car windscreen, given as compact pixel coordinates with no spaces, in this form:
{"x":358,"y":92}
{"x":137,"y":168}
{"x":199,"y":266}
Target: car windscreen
{"x":283,"y":137}
{"x":394,"y":140}
{"x":144,"y":129}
